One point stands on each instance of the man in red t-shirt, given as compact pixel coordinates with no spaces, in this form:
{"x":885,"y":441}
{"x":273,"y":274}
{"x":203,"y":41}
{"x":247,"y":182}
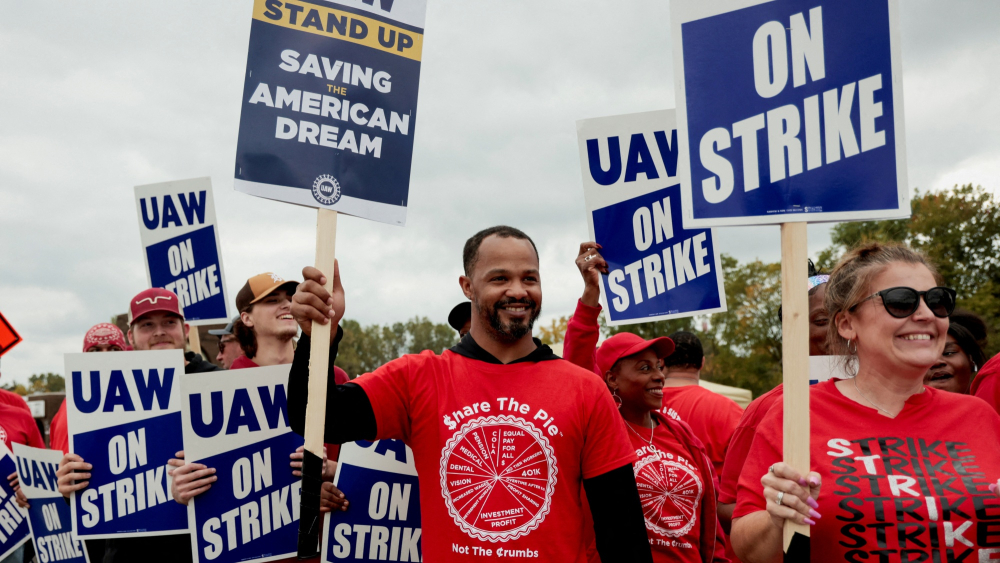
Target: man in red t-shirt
{"x":986,"y":385}
{"x":506,"y":437}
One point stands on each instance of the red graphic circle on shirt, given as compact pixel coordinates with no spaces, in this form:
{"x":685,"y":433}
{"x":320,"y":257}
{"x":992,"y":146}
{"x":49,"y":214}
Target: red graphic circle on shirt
{"x":670,"y":493}
{"x":497,"y":477}
{"x":3,"y":435}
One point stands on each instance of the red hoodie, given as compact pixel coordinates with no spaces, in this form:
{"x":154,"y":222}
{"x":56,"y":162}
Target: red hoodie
{"x":986,"y":386}
{"x":580,"y":347}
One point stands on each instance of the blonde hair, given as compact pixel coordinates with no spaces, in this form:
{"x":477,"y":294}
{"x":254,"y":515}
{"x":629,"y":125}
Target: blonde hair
{"x":851,"y":280}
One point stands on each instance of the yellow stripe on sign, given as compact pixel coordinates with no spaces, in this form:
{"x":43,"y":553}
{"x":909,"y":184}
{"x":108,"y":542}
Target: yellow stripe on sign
{"x":336,"y":24}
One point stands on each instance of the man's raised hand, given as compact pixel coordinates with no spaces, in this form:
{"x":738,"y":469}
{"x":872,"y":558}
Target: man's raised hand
{"x":312,"y":302}
{"x":591,"y":266}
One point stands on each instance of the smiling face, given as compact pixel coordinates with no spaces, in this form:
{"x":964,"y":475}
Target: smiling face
{"x":158,"y":331}
{"x":638,"y":381}
{"x":896,"y":347}
{"x":818,"y":322}
{"x":952,"y":372}
{"x":271,"y":317}
{"x":505,"y":288}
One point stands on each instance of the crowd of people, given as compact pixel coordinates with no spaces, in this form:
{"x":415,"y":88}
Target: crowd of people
{"x":614,"y":452}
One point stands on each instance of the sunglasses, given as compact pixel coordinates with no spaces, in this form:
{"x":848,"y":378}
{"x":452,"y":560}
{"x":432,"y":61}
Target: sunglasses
{"x":901,"y":302}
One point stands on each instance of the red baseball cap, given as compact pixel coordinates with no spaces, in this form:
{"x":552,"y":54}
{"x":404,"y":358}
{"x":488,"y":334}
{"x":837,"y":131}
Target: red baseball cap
{"x":151,"y":301}
{"x":625,"y":344}
{"x":103,"y":333}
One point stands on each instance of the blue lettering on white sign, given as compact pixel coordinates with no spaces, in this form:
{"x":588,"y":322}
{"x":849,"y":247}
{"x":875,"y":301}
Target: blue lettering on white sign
{"x":191,"y":204}
{"x":656,"y":267}
{"x":790,"y":110}
{"x":13,"y":525}
{"x":117,"y":394}
{"x":241,"y":411}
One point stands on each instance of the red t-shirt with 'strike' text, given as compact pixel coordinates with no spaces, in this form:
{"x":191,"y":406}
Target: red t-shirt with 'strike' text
{"x":500,"y":450}
{"x":910,"y":488}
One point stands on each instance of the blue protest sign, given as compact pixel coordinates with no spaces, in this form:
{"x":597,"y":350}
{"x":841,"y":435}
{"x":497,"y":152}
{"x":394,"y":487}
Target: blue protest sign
{"x":14,"y":529}
{"x":329,"y":105}
{"x":379,"y":479}
{"x":48,"y":514}
{"x":180,"y":241}
{"x":657,"y":269}
{"x":123,"y":416}
{"x":237,"y":423}
{"x":789,"y":112}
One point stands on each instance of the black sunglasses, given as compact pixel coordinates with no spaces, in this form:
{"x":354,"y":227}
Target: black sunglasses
{"x":901,"y":302}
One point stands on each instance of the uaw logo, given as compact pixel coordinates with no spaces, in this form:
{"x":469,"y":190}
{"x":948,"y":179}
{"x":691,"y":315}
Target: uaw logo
{"x":326,"y":189}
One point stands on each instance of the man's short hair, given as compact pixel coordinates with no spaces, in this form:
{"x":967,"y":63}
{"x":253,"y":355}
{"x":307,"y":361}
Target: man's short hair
{"x":688,"y":352}
{"x":470,"y":255}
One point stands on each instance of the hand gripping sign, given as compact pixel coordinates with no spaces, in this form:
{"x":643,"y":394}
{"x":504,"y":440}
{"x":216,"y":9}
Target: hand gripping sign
{"x":329,"y":104}
{"x":180,"y":241}
{"x":785,"y":108}
{"x":48,"y":514}
{"x":123,"y":413}
{"x":237,"y":423}
{"x":14,"y":529}
{"x":383,"y":521}
{"x":657,"y":269}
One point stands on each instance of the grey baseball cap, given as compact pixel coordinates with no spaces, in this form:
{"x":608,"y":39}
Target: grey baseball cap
{"x":224,"y":331}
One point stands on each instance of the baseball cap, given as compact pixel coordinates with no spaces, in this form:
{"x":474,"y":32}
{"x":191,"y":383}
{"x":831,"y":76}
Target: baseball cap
{"x":103,"y":333}
{"x":625,"y":344}
{"x":224,"y":331}
{"x":153,"y":300}
{"x":460,"y":315}
{"x":259,"y":287}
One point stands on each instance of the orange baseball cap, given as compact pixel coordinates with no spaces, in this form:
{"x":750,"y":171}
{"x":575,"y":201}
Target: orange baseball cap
{"x":259,"y":287}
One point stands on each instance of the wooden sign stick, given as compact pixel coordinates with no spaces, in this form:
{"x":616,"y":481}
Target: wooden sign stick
{"x":319,"y":359}
{"x":194,"y":340}
{"x":795,"y":370}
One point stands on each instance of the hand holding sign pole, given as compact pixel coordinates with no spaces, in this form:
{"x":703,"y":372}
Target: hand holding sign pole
{"x":813,"y":97}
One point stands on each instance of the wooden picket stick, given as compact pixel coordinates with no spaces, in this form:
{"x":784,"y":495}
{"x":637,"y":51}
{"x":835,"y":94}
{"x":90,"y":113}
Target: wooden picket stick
{"x":315,"y":425}
{"x":795,"y":367}
{"x":194,"y":340}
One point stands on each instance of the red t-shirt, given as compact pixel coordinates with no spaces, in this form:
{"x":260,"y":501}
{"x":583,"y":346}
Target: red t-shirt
{"x":986,"y":385}
{"x":739,"y":446}
{"x":711,"y":416}
{"x":18,"y":427}
{"x":500,"y":450}
{"x":671,"y":488}
{"x":58,"y":433}
{"x":912,"y":488}
{"x":13,"y":399}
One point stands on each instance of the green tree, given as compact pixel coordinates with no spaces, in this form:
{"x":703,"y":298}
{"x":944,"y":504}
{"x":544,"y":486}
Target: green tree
{"x":18,"y":388}
{"x":555,"y":332}
{"x":363,"y":349}
{"x":46,"y":383}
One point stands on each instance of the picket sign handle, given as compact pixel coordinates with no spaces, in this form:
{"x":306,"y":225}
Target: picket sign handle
{"x":194,"y":340}
{"x":319,"y":356}
{"x":795,"y":356}
{"x":315,"y":425}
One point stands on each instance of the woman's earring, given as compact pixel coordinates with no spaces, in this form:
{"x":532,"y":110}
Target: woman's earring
{"x":618,"y":400}
{"x":849,"y":352}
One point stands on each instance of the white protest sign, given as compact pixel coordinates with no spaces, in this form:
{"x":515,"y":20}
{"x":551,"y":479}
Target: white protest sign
{"x":237,"y":422}
{"x":180,"y":244}
{"x":825,"y":368}
{"x":657,"y":269}
{"x":379,"y":479}
{"x":14,"y":529}
{"x":48,"y":514}
{"x":123,"y":413}
{"x":789,"y":111}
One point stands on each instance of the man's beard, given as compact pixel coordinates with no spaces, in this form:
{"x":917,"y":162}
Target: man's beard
{"x":512,"y":331}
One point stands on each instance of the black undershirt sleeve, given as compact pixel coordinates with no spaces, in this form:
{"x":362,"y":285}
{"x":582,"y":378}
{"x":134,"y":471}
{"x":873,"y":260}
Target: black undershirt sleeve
{"x":618,"y":522}
{"x":349,"y":414}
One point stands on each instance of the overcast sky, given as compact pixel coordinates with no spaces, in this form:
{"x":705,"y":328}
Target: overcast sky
{"x":97,"y":97}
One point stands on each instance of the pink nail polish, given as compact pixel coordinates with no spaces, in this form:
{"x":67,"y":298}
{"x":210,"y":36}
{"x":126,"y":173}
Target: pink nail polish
{"x":802,"y":482}
{"x":993,"y":488}
{"x":814,"y":514}
{"x":812,"y":502}
{"x":809,"y":521}
{"x":814,"y":481}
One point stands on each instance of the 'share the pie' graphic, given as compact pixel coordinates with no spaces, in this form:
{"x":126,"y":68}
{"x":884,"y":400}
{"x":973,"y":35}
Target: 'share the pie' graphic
{"x":670,"y":493}
{"x":498,"y":475}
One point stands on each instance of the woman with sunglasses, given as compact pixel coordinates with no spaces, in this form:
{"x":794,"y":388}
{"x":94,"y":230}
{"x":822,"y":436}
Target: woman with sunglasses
{"x":896,"y":473}
{"x":962,"y":355}
{"x":673,"y":472}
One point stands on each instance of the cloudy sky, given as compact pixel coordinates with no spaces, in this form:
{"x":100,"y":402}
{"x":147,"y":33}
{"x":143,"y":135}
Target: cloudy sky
{"x":97,"y":97}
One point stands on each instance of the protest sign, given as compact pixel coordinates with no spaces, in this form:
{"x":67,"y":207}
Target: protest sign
{"x":329,"y":105}
{"x":8,"y":336}
{"x":123,"y":414}
{"x":48,"y":514}
{"x":383,"y":521}
{"x":657,"y":269}
{"x":180,"y":241}
{"x":13,"y":522}
{"x":237,"y":423}
{"x":788,"y":112}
